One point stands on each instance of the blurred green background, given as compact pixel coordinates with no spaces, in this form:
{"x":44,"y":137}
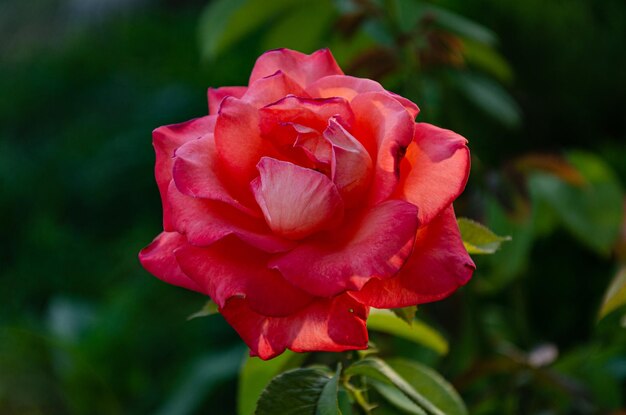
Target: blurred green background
{"x":538,"y":87}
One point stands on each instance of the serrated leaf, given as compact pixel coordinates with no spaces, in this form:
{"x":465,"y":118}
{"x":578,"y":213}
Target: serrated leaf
{"x":255,"y":375}
{"x":208,"y":309}
{"x":490,"y":97}
{"x":615,"y":296}
{"x":396,"y":398}
{"x":328,"y":403}
{"x":406,"y":313}
{"x":478,"y":239}
{"x":420,"y":333}
{"x":593,"y":211}
{"x":224,"y":22}
{"x":296,"y":392}
{"x":435,"y":395}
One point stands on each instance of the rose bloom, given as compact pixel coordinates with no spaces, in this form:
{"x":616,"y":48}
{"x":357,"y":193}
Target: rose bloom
{"x":305,"y":198}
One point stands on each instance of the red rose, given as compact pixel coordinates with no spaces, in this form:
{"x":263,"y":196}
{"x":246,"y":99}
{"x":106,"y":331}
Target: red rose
{"x":305,"y":198}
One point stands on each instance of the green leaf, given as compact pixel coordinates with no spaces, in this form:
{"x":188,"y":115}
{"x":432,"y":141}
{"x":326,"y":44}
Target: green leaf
{"x":396,"y":398}
{"x":615,"y":296}
{"x":461,"y":25}
{"x":591,"y":211}
{"x":490,"y":97}
{"x":296,"y":392}
{"x":255,"y":374}
{"x":224,"y":22}
{"x":420,"y":333}
{"x":208,"y":309}
{"x":478,"y":239}
{"x":488,"y":59}
{"x":328,"y":403}
{"x":430,"y":392}
{"x":406,"y":313}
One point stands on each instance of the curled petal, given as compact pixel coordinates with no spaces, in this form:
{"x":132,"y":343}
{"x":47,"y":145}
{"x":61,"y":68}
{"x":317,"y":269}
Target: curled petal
{"x":166,"y":140}
{"x":438,"y":266}
{"x":296,"y":201}
{"x":333,"y":325}
{"x":159,"y":260}
{"x":196,"y":174}
{"x":349,"y":87}
{"x":304,"y":69}
{"x":216,"y":95}
{"x":385,"y":129}
{"x":434,"y":171}
{"x":204,"y":222}
{"x":220,"y":270}
{"x":272,"y":88}
{"x":374,"y":245}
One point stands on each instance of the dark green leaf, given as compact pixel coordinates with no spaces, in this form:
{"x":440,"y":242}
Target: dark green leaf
{"x":592,"y":211}
{"x":406,"y":313}
{"x":420,"y":333}
{"x":477,"y":239}
{"x":255,"y":374}
{"x":208,"y":309}
{"x":490,"y":97}
{"x":296,"y":392}
{"x":461,"y":25}
{"x":328,"y":403}
{"x":395,"y":397}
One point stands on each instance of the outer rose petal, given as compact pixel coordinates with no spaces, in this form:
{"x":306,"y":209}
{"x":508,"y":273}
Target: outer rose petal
{"x":196,"y":174}
{"x":159,"y":260}
{"x":166,"y":140}
{"x":348,"y":87}
{"x":332,"y":325}
{"x":385,"y":129}
{"x":219,"y":269}
{"x":216,"y":95}
{"x":304,"y":69}
{"x":296,"y":201}
{"x":204,"y":222}
{"x":272,"y":88}
{"x":434,"y":171}
{"x":375,"y":245}
{"x":438,"y":266}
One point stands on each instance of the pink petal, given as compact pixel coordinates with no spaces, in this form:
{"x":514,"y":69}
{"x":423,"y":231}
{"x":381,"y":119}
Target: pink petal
{"x":204,"y":222}
{"x":304,"y":69}
{"x":216,"y":95}
{"x":331,"y":325}
{"x":374,"y":245}
{"x":386,"y":129}
{"x":159,"y":260}
{"x":352,"y":167}
{"x":196,"y":174}
{"x":312,"y":113}
{"x":348,"y":87}
{"x":267,"y":90}
{"x":434,"y":171}
{"x":166,"y":140}
{"x":296,"y":201}
{"x":239,"y":145}
{"x":438,"y":266}
{"x":220,"y":270}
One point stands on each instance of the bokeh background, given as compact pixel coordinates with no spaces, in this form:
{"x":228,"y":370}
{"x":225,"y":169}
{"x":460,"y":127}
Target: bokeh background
{"x":538,"y":87}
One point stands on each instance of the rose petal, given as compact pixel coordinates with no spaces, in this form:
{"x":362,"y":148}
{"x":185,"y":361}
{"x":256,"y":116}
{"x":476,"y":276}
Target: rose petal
{"x":331,"y":325}
{"x":375,"y":245}
{"x":196,"y":174}
{"x":219,"y":270}
{"x":434,"y":171}
{"x":385,"y":129}
{"x":204,"y":222}
{"x":352,"y":166}
{"x":166,"y":140}
{"x":216,"y":95}
{"x":272,"y":88}
{"x":438,"y":266}
{"x":159,"y":260}
{"x":348,"y":87}
{"x":296,"y":201}
{"x":304,"y":69}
